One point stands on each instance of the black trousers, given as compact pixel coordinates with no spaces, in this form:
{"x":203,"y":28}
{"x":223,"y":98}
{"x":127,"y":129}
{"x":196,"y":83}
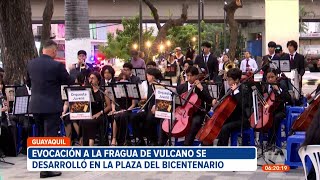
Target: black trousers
{"x":122,"y":121}
{"x":277,"y":117}
{"x":229,"y":126}
{"x":145,"y":124}
{"x":90,"y":128}
{"x":48,"y":124}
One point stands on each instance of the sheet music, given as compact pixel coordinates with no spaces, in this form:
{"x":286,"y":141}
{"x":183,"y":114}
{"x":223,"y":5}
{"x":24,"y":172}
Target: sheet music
{"x":276,"y":64}
{"x":63,"y":93}
{"x":132,"y":90}
{"x":166,"y":82}
{"x":21,"y":105}
{"x":119,"y":91}
{"x":177,"y":98}
{"x":213,"y":90}
{"x":255,"y":106}
{"x":141,"y":73}
{"x":108,"y":91}
{"x":284,"y":65}
{"x":143,"y":87}
{"x":296,"y":83}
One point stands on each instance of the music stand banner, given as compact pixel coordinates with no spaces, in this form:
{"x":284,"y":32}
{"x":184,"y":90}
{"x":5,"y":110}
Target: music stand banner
{"x":80,"y":104}
{"x":285,"y":65}
{"x":163,"y":104}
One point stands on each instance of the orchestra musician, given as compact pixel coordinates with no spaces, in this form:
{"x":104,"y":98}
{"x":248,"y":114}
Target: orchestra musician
{"x":183,"y":74}
{"x":248,"y":64}
{"x":270,"y":56}
{"x":282,"y":96}
{"x":202,"y":91}
{"x":81,"y":67}
{"x":207,"y":62}
{"x":107,"y":74}
{"x":100,"y":106}
{"x":8,"y":133}
{"x":234,"y":122}
{"x":145,"y":123}
{"x":172,"y":70}
{"x":297,"y":64}
{"x":120,"y":120}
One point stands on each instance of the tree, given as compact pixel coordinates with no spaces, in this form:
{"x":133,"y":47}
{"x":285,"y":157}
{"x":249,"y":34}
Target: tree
{"x":163,"y":30}
{"x":77,"y":29}
{"x":233,"y":25}
{"x":182,"y":35}
{"x":16,"y":38}
{"x":46,"y":23}
{"x":119,"y":45}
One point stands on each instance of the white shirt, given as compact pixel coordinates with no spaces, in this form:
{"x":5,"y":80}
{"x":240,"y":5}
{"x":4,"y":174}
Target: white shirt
{"x":206,"y":57}
{"x":107,"y":81}
{"x":189,"y":86}
{"x":292,"y":54}
{"x":270,"y":89}
{"x":252,"y":64}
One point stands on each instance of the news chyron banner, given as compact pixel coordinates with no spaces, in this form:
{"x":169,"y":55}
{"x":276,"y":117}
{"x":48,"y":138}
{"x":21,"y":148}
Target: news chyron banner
{"x":66,"y":158}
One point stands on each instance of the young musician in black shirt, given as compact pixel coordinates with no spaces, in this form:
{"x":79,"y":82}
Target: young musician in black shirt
{"x":145,"y":123}
{"x":202,"y":91}
{"x":234,"y":122}
{"x":281,"y":97}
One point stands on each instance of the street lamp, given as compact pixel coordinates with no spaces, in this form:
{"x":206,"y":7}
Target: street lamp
{"x":148,"y":44}
{"x":161,"y":48}
{"x":168,"y":43}
{"x":135,"y":46}
{"x":194,"y":39}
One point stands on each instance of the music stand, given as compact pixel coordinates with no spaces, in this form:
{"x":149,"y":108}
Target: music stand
{"x":139,"y":72}
{"x":213,"y":89}
{"x":167,"y":82}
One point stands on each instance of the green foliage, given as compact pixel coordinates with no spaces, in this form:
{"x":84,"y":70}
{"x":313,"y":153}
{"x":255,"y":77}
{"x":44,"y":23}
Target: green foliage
{"x":181,"y":36}
{"x":120,"y":45}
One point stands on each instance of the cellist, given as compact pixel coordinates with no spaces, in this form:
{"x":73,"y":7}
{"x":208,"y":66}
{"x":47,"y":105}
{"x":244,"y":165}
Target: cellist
{"x":282,"y":96}
{"x":234,"y":122}
{"x":202,"y":91}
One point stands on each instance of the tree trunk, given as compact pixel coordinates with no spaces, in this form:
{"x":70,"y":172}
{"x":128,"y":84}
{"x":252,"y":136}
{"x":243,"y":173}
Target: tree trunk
{"x":46,"y":24}
{"x":17,"y":44}
{"x":77,"y":29}
{"x":163,"y":30}
{"x":233,"y":26}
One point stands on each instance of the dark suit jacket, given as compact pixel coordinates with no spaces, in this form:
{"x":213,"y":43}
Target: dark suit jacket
{"x":298,"y":62}
{"x":135,"y":79}
{"x":45,"y":77}
{"x":212,"y":65}
{"x":203,"y":95}
{"x":103,"y":82}
{"x":266,"y":65}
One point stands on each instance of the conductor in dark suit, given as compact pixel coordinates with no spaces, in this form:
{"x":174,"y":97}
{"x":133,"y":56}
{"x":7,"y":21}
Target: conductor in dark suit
{"x":45,"y":77}
{"x":207,"y":62}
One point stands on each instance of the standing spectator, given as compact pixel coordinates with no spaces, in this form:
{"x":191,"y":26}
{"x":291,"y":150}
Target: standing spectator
{"x":136,"y":61}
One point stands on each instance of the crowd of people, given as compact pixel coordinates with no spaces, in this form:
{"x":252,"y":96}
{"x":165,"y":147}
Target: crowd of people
{"x":188,"y":73}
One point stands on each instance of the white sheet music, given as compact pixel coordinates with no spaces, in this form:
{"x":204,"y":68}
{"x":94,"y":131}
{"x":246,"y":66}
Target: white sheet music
{"x":132,"y":91}
{"x":119,"y":91}
{"x":63,"y":93}
{"x":213,"y":90}
{"x":21,"y":105}
{"x":141,"y":73}
{"x":108,"y":91}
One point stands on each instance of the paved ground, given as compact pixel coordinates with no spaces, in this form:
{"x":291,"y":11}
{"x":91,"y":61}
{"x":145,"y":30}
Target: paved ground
{"x":19,"y":170}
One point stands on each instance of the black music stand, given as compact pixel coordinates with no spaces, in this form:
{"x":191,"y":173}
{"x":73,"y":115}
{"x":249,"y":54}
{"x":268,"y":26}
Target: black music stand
{"x":213,"y":89}
{"x":139,"y":72}
{"x":167,"y":82}
{"x":125,"y":90}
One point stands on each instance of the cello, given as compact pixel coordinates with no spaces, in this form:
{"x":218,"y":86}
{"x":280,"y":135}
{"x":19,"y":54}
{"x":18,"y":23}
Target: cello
{"x":222,"y":110}
{"x":303,"y":121}
{"x":183,"y":114}
{"x":264,"y":118}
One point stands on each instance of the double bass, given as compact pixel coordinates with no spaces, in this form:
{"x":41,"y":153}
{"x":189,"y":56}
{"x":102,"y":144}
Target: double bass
{"x":183,"y":114}
{"x":303,"y":121}
{"x":222,"y":110}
